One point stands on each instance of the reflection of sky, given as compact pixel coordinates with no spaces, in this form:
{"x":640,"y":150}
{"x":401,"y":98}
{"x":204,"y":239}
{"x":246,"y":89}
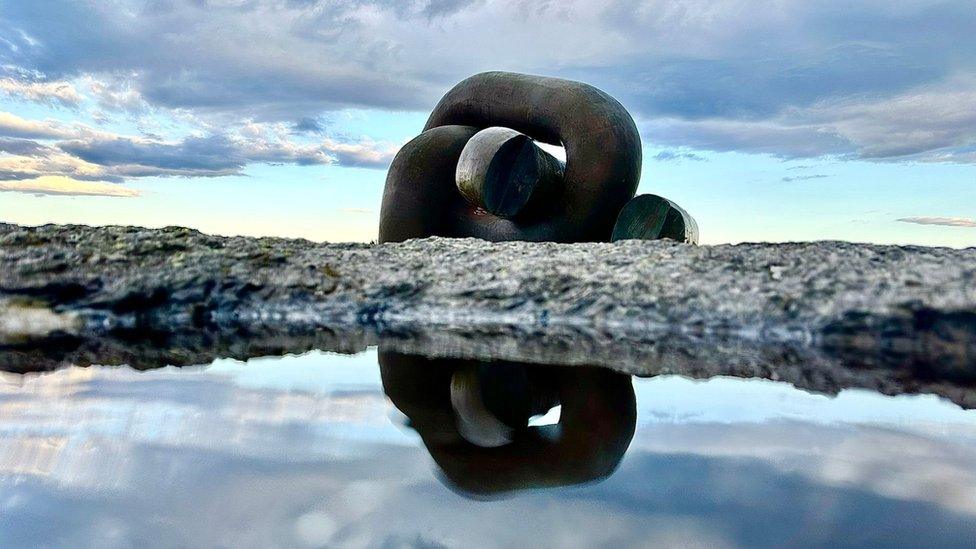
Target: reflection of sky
{"x":734,"y":400}
{"x":306,"y":450}
{"x":313,"y":372}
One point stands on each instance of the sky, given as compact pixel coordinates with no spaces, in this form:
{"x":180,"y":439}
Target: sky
{"x":783,"y":120}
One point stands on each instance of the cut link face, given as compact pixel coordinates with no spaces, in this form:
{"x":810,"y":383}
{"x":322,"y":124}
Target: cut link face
{"x":505,"y":173}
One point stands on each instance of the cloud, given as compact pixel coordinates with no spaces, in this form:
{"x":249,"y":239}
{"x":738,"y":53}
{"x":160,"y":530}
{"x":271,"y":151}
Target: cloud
{"x":221,"y":154}
{"x":50,"y":161}
{"x":208,"y":156}
{"x":60,"y":185}
{"x":117,"y":95}
{"x":928,"y":125}
{"x":931,"y":124}
{"x":879,"y":81}
{"x":308,"y":125}
{"x":675,"y":156}
{"x":22,"y":147}
{"x":772,"y":137}
{"x":443,"y":8}
{"x":804,"y":177}
{"x":77,"y":152}
{"x":266,"y":60}
{"x":51,"y":93}
{"x":947,"y":221}
{"x":12,"y":125}
{"x":366,"y":154}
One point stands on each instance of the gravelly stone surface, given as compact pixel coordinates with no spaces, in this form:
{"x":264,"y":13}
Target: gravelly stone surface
{"x":879,"y":302}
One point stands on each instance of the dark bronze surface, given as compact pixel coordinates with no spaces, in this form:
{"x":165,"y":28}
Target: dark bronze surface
{"x":505,"y":173}
{"x":421,"y":198}
{"x":597,"y":421}
{"x":603,"y":161}
{"x":650,"y":217}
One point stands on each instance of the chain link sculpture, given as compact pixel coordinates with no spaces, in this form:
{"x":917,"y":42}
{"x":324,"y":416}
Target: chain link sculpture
{"x":477,"y":170}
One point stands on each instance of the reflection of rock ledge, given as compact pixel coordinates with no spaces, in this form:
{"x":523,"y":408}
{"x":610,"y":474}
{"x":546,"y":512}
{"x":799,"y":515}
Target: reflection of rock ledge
{"x":639,"y":306}
{"x":803,"y":366}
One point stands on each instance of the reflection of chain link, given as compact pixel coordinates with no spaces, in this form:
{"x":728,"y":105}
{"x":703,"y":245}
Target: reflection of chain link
{"x":477,"y":170}
{"x":473,"y":417}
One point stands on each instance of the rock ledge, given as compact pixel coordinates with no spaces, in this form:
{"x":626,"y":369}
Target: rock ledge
{"x":879,"y":302}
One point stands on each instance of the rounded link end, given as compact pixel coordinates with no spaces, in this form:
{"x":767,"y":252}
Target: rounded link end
{"x":652,"y":217}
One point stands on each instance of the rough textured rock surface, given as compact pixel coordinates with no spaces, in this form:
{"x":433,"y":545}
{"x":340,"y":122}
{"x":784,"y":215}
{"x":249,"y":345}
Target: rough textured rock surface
{"x":906,"y":308}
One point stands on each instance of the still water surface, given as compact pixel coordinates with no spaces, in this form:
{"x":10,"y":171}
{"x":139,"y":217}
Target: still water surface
{"x":386,"y":450}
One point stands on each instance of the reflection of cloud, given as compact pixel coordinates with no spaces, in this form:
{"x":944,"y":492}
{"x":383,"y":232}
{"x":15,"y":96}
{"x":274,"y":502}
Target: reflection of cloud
{"x":308,"y":457}
{"x":92,"y":399}
{"x":947,"y":221}
{"x":31,"y":455}
{"x":60,"y":185}
{"x":839,"y":441}
{"x":872,"y":459}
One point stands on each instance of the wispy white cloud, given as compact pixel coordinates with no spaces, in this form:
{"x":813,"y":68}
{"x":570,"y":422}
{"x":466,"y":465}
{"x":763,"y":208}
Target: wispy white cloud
{"x":12,"y":125}
{"x":677,"y":156}
{"x":790,"y":179}
{"x":52,"y":93}
{"x":946,"y":221}
{"x":362,"y":154}
{"x":60,"y":185}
